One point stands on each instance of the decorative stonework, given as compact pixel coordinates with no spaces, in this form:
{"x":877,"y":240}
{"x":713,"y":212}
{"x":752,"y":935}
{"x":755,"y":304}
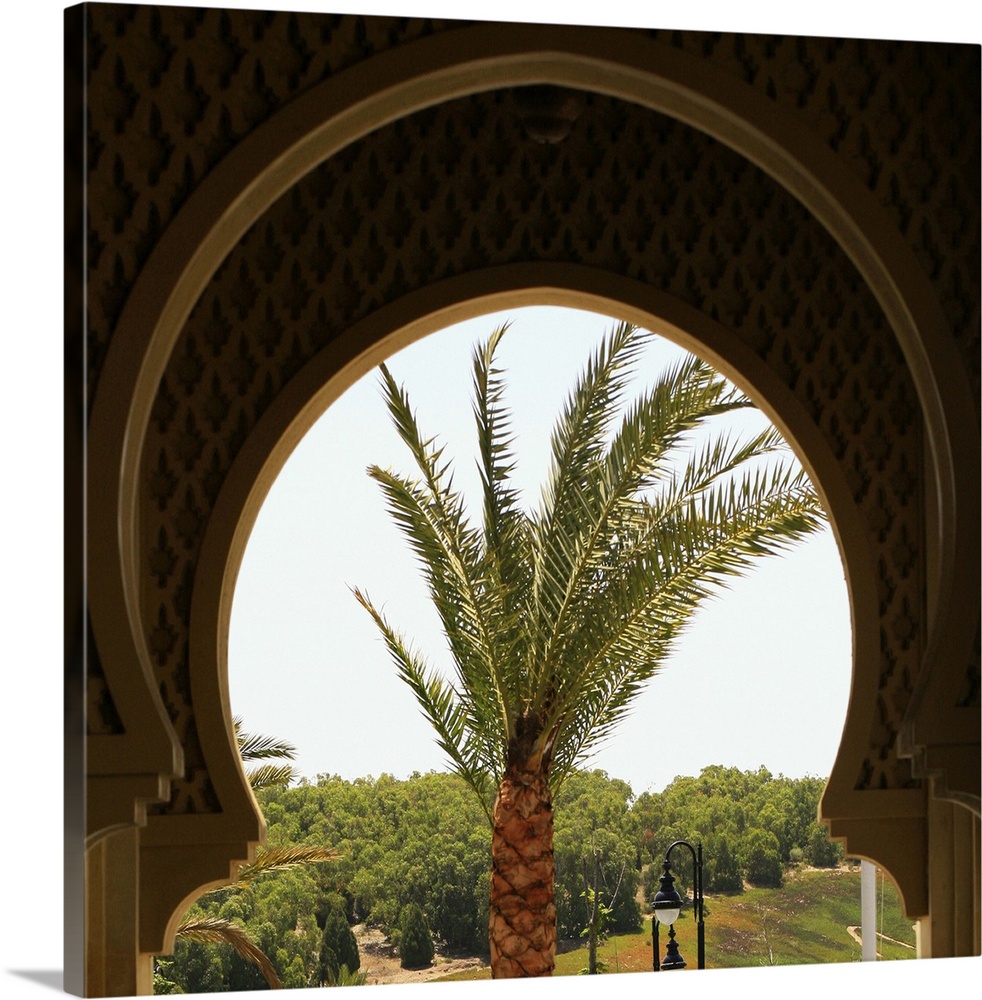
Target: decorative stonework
{"x":101,"y":719}
{"x":906,"y":119}
{"x":173,"y":89}
{"x":460,"y":187}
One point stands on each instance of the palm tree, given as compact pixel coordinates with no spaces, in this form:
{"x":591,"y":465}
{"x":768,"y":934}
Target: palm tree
{"x":218,"y":930}
{"x":557,"y":617}
{"x":253,"y":748}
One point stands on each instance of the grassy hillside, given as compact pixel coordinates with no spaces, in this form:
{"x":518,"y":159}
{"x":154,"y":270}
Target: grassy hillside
{"x":805,"y":922}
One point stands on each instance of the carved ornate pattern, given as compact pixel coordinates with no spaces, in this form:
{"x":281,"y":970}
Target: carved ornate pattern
{"x":102,"y":718}
{"x":906,"y":118}
{"x":171,"y":91}
{"x":460,"y":187}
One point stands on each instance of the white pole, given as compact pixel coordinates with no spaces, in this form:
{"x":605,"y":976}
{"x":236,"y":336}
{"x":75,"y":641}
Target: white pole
{"x":868,"y":891}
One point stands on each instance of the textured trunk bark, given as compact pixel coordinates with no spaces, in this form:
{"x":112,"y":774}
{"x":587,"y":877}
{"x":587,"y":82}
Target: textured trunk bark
{"x":522,"y":927}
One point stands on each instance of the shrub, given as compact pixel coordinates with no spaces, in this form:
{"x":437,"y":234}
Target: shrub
{"x":722,"y":872}
{"x":762,"y":859}
{"x":821,"y":852}
{"x":415,"y":940}
{"x":338,"y":946}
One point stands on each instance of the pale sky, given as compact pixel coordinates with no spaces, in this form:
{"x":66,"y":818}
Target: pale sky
{"x":307,"y":664}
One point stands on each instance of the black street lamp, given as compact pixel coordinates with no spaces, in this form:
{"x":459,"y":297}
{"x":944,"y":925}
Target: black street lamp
{"x":667,"y":905}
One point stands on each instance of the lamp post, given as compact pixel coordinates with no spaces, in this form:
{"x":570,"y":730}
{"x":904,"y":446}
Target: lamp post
{"x":667,"y":905}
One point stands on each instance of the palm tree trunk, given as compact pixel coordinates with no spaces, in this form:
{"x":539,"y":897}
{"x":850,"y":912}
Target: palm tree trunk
{"x":522,"y":928}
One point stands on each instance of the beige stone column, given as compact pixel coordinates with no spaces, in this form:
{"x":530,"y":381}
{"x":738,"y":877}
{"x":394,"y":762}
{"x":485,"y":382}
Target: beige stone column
{"x":953,"y":858}
{"x":114,"y":966}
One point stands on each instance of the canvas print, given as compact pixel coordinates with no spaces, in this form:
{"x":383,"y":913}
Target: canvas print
{"x":526,"y":485}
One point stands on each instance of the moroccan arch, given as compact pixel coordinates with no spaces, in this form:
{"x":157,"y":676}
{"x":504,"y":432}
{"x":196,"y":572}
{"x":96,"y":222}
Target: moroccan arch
{"x":165,"y":626}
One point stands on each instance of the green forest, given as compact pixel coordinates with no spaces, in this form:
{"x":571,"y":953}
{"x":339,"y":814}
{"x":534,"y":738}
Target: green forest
{"x":413,"y":861}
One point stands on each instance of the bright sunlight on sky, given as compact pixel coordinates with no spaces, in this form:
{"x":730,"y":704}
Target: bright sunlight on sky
{"x":762,"y":677}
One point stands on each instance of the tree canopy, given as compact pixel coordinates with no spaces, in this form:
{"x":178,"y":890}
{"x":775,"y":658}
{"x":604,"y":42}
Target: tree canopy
{"x":424,"y":841}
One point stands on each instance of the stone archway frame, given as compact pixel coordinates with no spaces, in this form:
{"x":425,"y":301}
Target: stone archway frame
{"x":396,"y":83}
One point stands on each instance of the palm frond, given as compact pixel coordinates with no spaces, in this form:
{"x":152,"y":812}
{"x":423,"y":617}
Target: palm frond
{"x":640,"y":610}
{"x":471,"y":745}
{"x":495,"y":442}
{"x":277,"y":859}
{"x":432,"y":518}
{"x":346,"y":978}
{"x":578,"y":437}
{"x":577,"y":448}
{"x":215,"y":930}
{"x":505,"y":568}
{"x":456,"y":592}
{"x":256,"y":747}
{"x":583,"y":530}
{"x":270,"y":776}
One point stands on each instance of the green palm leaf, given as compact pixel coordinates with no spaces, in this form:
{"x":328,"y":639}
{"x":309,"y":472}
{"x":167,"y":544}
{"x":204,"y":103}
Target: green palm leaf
{"x":605,"y":502}
{"x":215,"y":930}
{"x":254,"y":747}
{"x":270,"y":776}
{"x":268,"y":860}
{"x":431,"y":516}
{"x":277,"y":859}
{"x":474,"y":756}
{"x":638,"y":612}
{"x":505,"y":567}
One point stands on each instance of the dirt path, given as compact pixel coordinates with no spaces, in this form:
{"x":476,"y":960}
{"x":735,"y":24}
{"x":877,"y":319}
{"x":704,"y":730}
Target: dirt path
{"x":854,"y":933}
{"x":380,"y":963}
